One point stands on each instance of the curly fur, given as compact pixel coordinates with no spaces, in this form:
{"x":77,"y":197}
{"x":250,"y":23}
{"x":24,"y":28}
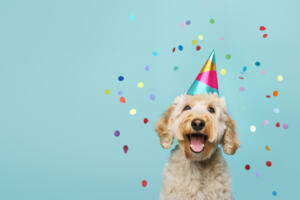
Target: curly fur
{"x":197,"y":176}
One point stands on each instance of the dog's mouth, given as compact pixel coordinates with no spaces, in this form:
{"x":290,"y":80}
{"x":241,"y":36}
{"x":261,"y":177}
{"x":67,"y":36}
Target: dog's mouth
{"x":197,"y":142}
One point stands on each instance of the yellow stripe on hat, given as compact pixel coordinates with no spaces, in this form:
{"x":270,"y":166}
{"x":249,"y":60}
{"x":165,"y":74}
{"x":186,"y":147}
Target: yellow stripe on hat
{"x":208,"y":66}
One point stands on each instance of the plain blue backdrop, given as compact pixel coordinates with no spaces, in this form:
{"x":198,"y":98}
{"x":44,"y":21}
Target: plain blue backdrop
{"x":57,"y":124}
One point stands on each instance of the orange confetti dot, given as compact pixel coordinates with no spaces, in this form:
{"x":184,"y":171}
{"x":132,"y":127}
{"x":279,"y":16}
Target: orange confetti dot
{"x":275,"y":93}
{"x":268,"y":148}
{"x":122,"y":100}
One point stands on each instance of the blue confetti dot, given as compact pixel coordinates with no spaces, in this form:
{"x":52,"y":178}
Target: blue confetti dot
{"x":131,"y":17}
{"x":274,"y":193}
{"x":120,"y":93}
{"x":257,"y":63}
{"x":244,"y":68}
{"x":188,"y":22}
{"x":121,"y":78}
{"x":152,"y":97}
{"x":154,"y":53}
{"x":180,"y":47}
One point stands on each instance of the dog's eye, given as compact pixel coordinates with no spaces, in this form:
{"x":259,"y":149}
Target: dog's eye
{"x":187,"y":107}
{"x":211,"y":109}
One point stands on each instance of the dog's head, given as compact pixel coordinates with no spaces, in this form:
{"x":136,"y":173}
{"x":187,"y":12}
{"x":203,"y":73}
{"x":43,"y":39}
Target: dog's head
{"x":199,"y":123}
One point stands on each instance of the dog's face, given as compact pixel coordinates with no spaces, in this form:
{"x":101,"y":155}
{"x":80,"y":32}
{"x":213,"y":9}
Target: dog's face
{"x":199,"y":123}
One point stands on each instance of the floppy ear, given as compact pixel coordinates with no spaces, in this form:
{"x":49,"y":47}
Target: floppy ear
{"x":166,"y":137}
{"x":230,"y":141}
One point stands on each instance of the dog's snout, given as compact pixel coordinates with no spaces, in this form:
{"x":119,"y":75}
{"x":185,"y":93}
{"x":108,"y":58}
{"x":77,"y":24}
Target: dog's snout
{"x":198,"y":124}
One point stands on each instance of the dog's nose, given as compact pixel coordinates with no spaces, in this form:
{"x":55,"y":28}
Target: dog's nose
{"x":198,"y":124}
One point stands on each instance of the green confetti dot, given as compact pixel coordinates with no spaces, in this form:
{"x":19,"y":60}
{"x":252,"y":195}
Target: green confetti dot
{"x":212,"y":21}
{"x":175,"y":68}
{"x":228,"y":56}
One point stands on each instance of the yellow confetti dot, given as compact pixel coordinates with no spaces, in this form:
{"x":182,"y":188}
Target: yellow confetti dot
{"x":107,"y":91}
{"x":140,"y":84}
{"x":200,"y":37}
{"x":194,"y":42}
{"x":132,"y":111}
{"x":252,"y":128}
{"x":280,"y":78}
{"x":223,"y":72}
{"x":268,"y":148}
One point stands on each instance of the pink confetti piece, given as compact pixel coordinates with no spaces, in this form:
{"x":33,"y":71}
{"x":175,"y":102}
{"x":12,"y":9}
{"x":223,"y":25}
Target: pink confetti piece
{"x":242,"y":89}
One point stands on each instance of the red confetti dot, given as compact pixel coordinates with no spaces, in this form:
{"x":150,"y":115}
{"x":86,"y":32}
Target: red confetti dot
{"x":268,"y":163}
{"x":268,"y":96}
{"x":173,"y":50}
{"x":198,"y":47}
{"x":146,"y":120}
{"x":122,"y":100}
{"x":265,"y":35}
{"x":262,"y":28}
{"x":144,"y":183}
{"x":125,"y":148}
{"x":247,"y":167}
{"x":277,"y":124}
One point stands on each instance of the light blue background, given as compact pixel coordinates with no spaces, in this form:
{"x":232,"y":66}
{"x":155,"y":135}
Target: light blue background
{"x":57,"y":125}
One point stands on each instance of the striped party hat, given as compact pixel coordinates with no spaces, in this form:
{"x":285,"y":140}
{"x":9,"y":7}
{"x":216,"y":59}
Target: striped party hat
{"x":206,"y":81}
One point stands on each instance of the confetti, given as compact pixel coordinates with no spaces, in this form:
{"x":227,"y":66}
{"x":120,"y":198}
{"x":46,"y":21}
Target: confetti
{"x":140,"y":85}
{"x":268,"y":148}
{"x":247,"y":167}
{"x":175,"y":68}
{"x":277,"y":124}
{"x":285,"y":126}
{"x":263,"y":72}
{"x":252,"y":128}
{"x":257,"y":174}
{"x":244,"y":69}
{"x":107,"y":91}
{"x":173,"y":50}
{"x":183,"y":25}
{"x":154,"y":53}
{"x":117,"y":133}
{"x":242,"y":89}
{"x":257,"y":63}
{"x":132,"y":111}
{"x":274,"y":193}
{"x":269,"y":163}
{"x":276,"y":110}
{"x":120,"y":93}
{"x":198,"y":47}
{"x":265,"y":122}
{"x":146,"y":120}
{"x":188,"y":22}
{"x":228,"y":56}
{"x":180,"y":47}
{"x":125,"y":148}
{"x":268,"y":96}
{"x":152,"y":97}
{"x":131,"y":17}
{"x":221,"y":38}
{"x":280,"y":78}
{"x":194,"y":42}
{"x":121,"y":78}
{"x":212,"y":21}
{"x":144,"y":183}
{"x":122,"y":100}
{"x":262,"y":28}
{"x":241,"y":77}
{"x":200,"y":37}
{"x":223,"y":72}
{"x":147,"y":67}
{"x":265,"y":35}
{"x":275,"y":93}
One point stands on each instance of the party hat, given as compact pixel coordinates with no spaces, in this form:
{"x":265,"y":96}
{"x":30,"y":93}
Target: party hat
{"x":206,"y":81}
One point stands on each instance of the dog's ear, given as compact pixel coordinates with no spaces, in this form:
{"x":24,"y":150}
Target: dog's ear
{"x":230,"y":140}
{"x":165,"y":135}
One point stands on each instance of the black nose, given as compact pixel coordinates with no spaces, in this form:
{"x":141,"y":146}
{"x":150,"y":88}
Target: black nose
{"x":198,"y":124}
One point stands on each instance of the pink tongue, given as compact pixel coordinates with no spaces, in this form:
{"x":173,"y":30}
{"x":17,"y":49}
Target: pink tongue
{"x":197,"y":143}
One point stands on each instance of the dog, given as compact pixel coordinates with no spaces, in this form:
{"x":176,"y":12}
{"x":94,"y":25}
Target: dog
{"x":196,"y":169}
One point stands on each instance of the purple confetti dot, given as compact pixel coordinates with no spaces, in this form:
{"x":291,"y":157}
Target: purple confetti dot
{"x":120,"y":93}
{"x":265,"y":122}
{"x":257,"y":174}
{"x":147,"y":67}
{"x":188,"y":22}
{"x":285,"y":126}
{"x":152,"y":96}
{"x":117,"y":133}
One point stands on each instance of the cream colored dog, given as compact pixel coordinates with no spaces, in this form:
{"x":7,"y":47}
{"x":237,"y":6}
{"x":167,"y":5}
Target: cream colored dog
{"x":196,"y":169}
